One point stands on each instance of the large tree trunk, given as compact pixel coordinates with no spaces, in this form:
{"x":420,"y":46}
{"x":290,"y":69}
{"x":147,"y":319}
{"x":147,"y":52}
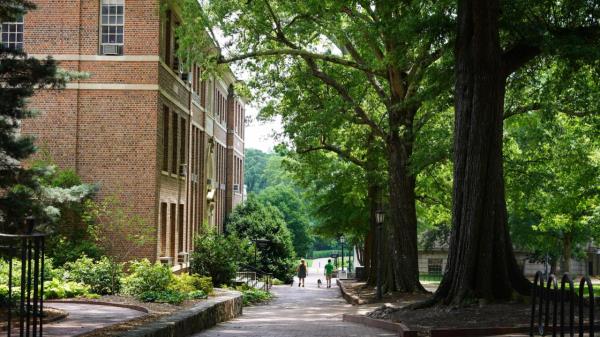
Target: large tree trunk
{"x":567,"y":253}
{"x":402,"y":234}
{"x":373,"y":194}
{"x":481,"y":262}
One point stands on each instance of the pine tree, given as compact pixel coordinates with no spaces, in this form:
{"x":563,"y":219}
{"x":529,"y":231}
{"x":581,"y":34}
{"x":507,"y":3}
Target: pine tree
{"x":20,"y":77}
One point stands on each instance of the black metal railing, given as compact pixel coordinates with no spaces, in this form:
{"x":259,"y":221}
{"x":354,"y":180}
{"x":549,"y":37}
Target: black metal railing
{"x":24,"y":304}
{"x":547,"y":291}
{"x":259,"y":276}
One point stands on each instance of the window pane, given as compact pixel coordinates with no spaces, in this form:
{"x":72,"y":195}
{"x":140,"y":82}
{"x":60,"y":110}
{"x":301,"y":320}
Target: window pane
{"x":119,"y":20}
{"x":113,"y":20}
{"x":104,"y":10}
{"x":104,"y":29}
{"x":119,"y":29}
{"x":119,"y":38}
{"x":113,"y":9}
{"x":120,"y":10}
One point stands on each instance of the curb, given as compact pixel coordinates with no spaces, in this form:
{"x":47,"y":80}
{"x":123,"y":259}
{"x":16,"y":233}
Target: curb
{"x":193,"y":320}
{"x":401,"y":329}
{"x":349,"y":298}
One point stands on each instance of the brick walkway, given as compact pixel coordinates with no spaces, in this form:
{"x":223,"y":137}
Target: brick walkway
{"x":297,"y":312}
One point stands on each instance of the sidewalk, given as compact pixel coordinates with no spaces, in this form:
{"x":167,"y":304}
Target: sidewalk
{"x":298,"y":312}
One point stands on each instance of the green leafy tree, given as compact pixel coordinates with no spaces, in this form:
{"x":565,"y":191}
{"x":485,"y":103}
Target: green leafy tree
{"x":553,"y":174}
{"x":287,"y":200}
{"x":255,"y":162}
{"x":374,"y":57}
{"x":20,"y":76}
{"x":254,"y":220}
{"x":515,"y":34}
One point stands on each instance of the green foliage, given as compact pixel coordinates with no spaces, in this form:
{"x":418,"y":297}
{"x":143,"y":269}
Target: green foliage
{"x":319,"y":254}
{"x":255,"y":162}
{"x":147,"y":277}
{"x":295,"y":213}
{"x":253,"y":296}
{"x":253,"y":220}
{"x":217,"y":256}
{"x":103,"y":276}
{"x":113,"y":215}
{"x":65,"y":196}
{"x":186,"y":283}
{"x":553,"y":174}
{"x":164,"y":296}
{"x":21,"y":77}
{"x":57,"y":289}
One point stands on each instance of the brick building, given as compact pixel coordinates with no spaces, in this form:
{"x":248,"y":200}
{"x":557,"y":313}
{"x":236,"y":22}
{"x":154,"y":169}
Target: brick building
{"x":168,"y":144}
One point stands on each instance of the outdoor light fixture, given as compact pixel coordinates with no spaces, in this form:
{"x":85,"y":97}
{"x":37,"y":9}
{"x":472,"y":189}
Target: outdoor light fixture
{"x":379,"y":216}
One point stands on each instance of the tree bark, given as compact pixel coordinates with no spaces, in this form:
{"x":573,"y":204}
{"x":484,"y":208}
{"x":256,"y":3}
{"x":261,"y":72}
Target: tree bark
{"x":402,"y":238}
{"x":567,"y":249}
{"x":481,"y":262}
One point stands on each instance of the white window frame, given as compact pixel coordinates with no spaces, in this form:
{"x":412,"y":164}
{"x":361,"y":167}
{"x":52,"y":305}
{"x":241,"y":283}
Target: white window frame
{"x":13,"y":44}
{"x":120,"y":45}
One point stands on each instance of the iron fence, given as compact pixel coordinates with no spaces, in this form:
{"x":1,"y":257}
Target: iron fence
{"x":547,"y":292}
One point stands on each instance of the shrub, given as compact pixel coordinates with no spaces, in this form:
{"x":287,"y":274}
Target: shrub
{"x":56,"y":289}
{"x":216,"y":256}
{"x":147,"y":277}
{"x":252,"y":220}
{"x":277,"y":282}
{"x":189,"y":283}
{"x":165,"y":296}
{"x":197,"y":294}
{"x":253,"y":295}
{"x":103,"y":276}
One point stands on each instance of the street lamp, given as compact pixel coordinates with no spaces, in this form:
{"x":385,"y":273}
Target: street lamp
{"x":379,"y":219}
{"x":262,"y":243}
{"x":342,"y":241}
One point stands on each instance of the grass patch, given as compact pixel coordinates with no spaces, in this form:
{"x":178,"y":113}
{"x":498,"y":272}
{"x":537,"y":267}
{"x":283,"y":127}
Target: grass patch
{"x":319,"y":254}
{"x":430,"y":278}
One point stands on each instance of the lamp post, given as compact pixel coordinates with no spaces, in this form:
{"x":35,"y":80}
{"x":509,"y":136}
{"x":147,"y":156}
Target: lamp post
{"x":379,"y":219}
{"x":259,"y":243}
{"x":342,"y":241}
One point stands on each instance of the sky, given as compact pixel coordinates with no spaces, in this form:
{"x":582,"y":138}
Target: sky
{"x":259,"y":135}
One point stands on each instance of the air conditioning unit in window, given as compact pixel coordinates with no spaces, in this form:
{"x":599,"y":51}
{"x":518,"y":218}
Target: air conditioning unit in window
{"x":236,"y":187}
{"x":112,"y":49}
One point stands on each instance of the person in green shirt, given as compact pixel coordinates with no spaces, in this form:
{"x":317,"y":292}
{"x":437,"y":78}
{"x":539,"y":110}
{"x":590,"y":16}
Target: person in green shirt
{"x":328,"y":272}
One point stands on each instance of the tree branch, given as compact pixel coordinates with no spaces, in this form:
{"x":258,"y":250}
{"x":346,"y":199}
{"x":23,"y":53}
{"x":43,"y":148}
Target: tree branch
{"x":302,"y":53}
{"x":538,"y":106}
{"x":340,"y":152}
{"x":343,"y":92}
{"x":518,"y":56}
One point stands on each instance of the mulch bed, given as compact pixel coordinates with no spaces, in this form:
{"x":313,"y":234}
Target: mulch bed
{"x":491,"y":315}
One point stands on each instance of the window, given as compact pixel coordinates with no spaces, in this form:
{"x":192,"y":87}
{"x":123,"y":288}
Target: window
{"x":112,"y":24}
{"x":163,"y":229}
{"x":172,"y":233}
{"x":165,"y":159}
{"x":182,"y":147}
{"x":174,"y":124}
{"x":434,"y":266}
{"x":180,"y":232}
{"x":12,"y":34}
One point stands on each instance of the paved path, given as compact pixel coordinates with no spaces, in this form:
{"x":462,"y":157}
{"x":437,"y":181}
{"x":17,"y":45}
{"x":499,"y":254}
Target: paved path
{"x":86,"y":317}
{"x":297,"y":312}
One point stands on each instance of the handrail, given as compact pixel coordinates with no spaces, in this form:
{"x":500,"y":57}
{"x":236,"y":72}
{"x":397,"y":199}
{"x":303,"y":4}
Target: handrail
{"x":267,"y":277}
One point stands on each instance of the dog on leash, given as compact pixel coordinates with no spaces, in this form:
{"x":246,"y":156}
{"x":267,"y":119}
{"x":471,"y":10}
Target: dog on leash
{"x":319,"y":283}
